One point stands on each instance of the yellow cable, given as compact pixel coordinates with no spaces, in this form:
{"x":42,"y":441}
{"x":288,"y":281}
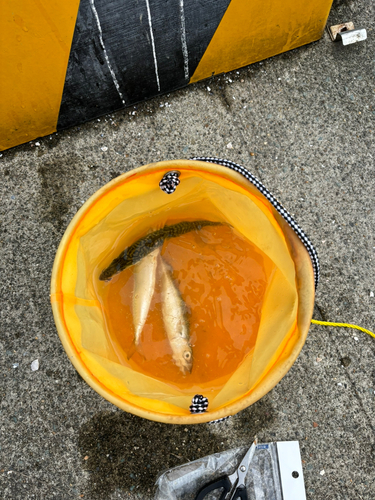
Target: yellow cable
{"x":345,"y":325}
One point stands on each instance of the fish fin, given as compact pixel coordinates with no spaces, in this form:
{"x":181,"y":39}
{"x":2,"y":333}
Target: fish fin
{"x":187,"y":309}
{"x":156,"y":226}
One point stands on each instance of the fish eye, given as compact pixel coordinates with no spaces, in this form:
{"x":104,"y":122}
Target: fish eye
{"x":187,"y":355}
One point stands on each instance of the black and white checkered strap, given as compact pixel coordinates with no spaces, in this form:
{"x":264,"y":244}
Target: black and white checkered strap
{"x":199,"y":404}
{"x":170,"y":181}
{"x":286,"y":215}
{"x":220,"y":420}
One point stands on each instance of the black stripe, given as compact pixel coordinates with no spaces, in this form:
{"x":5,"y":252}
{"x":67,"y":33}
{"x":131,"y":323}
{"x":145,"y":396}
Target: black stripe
{"x":89,"y":89}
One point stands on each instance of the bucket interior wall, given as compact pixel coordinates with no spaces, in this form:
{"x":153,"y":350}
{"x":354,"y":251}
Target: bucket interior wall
{"x":127,"y":210}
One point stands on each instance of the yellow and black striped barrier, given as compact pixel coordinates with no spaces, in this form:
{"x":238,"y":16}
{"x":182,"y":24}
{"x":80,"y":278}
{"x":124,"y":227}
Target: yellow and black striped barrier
{"x":64,"y":63}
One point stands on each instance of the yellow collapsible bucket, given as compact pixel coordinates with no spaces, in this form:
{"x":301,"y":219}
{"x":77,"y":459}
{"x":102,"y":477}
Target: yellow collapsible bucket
{"x":218,"y":251}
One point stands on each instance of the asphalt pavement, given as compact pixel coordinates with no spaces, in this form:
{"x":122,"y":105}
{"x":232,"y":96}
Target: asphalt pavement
{"x":304,"y":123}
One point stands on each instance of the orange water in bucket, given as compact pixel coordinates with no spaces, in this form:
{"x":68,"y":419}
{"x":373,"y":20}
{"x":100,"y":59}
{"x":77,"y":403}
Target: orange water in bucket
{"x":222,"y":279}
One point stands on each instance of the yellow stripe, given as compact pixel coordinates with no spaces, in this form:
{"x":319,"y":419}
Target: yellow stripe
{"x":35,"y":38}
{"x":252,"y":30}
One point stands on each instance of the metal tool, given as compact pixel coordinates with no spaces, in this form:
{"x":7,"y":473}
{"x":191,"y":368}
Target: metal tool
{"x":234,"y":485}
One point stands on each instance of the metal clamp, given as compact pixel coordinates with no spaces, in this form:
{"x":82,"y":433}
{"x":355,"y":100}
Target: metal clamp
{"x":347,"y":33}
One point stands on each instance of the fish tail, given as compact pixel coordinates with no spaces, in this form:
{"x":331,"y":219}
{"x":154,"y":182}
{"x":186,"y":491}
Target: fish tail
{"x":132,"y":349}
{"x":167,"y":267}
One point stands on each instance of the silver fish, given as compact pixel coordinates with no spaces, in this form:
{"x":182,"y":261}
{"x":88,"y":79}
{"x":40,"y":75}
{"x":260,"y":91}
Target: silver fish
{"x":175,"y":321}
{"x":144,"y":286}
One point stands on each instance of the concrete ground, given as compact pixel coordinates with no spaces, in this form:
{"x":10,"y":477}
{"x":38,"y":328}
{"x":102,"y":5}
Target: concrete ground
{"x":309,"y":118}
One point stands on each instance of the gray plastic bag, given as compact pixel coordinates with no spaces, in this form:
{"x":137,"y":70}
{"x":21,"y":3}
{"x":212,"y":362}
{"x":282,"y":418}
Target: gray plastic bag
{"x":185,"y":481}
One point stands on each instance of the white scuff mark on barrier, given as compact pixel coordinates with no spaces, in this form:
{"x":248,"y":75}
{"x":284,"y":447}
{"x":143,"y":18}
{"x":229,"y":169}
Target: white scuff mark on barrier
{"x":183,"y":41}
{"x":105,"y":52}
{"x":153,"y":44}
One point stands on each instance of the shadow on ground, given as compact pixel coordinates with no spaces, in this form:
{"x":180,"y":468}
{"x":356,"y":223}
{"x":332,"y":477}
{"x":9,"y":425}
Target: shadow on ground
{"x":124,"y":452}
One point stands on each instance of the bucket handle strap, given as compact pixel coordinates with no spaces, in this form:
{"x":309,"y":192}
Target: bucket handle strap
{"x":276,"y":204}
